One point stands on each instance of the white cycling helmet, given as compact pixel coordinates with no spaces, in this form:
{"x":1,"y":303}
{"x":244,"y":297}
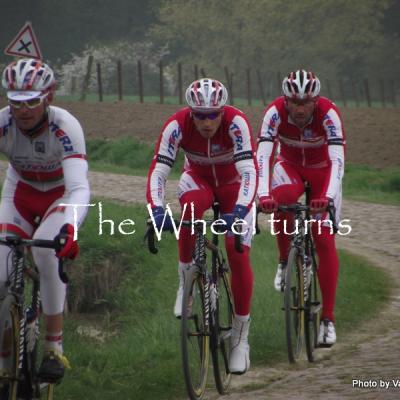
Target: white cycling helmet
{"x":301,"y":85}
{"x":27,"y":78}
{"x":205,"y":95}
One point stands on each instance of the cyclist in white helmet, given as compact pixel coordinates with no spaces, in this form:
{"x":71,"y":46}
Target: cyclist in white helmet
{"x":310,"y":133}
{"x":45,"y":147}
{"x":220,"y":165}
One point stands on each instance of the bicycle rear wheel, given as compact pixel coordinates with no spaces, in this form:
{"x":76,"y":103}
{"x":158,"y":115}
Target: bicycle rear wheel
{"x":221,"y":333}
{"x":294,"y":305}
{"x":195,"y":335}
{"x":9,"y":348}
{"x":312,"y":316}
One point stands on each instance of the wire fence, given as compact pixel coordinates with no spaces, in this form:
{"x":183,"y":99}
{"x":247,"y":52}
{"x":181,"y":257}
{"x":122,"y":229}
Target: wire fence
{"x":167,"y":83}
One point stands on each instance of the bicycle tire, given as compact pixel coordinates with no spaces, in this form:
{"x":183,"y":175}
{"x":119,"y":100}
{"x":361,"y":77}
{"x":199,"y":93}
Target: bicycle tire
{"x":221,"y":333}
{"x":294,"y":305}
{"x":312,"y":316}
{"x":10,"y":322}
{"x":195,"y":335}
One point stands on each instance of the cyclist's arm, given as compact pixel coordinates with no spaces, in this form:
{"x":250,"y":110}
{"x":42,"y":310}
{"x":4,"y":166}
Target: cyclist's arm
{"x":266,"y":148}
{"x":244,"y":158}
{"x":164,"y":157}
{"x":75,"y":168}
{"x":336,"y":141}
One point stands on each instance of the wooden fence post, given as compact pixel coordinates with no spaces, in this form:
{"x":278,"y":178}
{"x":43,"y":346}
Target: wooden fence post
{"x":73,"y":85}
{"x":354,"y":92}
{"x":180,"y":93}
{"x":367,"y":94}
{"x":140,"y":81}
{"x":161,"y":83}
{"x":203,"y":73}
{"x":228,"y":78}
{"x":248,"y":73}
{"x":99,"y":82}
{"x":86,"y":80}
{"x":261,"y":85}
{"x":342,"y":94}
{"x":279,"y":82}
{"x":383,"y":96}
{"x":329,"y":90}
{"x":119,"y":77}
{"x":196,"y":72}
{"x":231,"y":85}
{"x":393,"y":92}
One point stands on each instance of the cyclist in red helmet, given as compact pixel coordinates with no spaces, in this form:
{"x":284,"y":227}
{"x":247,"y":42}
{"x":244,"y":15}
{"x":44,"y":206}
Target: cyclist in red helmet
{"x":310,"y":134}
{"x":220,"y":165}
{"x":45,"y":147}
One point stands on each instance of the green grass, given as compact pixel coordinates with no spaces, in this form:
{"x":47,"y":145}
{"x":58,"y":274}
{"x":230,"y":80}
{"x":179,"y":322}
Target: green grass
{"x":371,"y":184}
{"x":130,"y":156}
{"x":142,"y":354}
{"x":126,"y":156}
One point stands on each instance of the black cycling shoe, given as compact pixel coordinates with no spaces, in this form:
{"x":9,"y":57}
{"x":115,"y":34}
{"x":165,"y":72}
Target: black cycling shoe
{"x":52,"y":368}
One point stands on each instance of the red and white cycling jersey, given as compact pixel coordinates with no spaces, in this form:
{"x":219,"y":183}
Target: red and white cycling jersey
{"x":319,"y":144}
{"x":53,"y":158}
{"x":227,"y":157}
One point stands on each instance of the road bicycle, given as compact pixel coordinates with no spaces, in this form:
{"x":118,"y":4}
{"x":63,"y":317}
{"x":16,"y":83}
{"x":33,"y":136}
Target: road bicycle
{"x":20,"y":309}
{"x":207,"y":311}
{"x":302,"y":304}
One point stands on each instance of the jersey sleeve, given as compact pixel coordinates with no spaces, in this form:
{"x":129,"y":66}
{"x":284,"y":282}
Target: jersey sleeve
{"x":266,"y":148}
{"x":77,"y":190}
{"x":333,"y":126}
{"x":165,"y":154}
{"x":69,"y":133}
{"x":244,"y":158}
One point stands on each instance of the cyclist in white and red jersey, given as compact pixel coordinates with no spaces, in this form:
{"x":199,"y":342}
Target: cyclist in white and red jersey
{"x":45,"y":147}
{"x":310,"y":134}
{"x":219,"y":165}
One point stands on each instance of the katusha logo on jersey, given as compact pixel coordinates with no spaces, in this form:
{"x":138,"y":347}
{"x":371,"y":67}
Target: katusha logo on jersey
{"x":272,"y":124}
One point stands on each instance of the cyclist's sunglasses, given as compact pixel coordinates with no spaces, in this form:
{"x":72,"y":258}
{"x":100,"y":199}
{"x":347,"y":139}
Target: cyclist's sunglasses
{"x":32,"y":103}
{"x":203,"y":116}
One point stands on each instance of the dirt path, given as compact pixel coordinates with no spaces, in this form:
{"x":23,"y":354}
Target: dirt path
{"x":371,"y":355}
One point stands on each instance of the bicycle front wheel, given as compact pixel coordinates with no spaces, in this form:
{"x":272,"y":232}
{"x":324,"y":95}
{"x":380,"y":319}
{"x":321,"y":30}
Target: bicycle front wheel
{"x":312,"y":315}
{"x":294,"y":305}
{"x":9,"y":348}
{"x":195,"y":335}
{"x":221,"y":332}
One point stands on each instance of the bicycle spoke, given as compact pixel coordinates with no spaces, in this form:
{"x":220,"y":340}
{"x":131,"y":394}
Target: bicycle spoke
{"x":195,"y":336}
{"x":294,"y":306}
{"x":223,"y":316}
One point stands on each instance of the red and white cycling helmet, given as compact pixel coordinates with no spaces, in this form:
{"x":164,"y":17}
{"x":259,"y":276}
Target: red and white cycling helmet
{"x":27,"y":79}
{"x":206,"y":95}
{"x":301,"y":84}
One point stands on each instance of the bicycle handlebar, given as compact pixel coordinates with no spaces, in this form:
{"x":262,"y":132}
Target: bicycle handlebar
{"x":149,"y":236}
{"x":15,"y":241}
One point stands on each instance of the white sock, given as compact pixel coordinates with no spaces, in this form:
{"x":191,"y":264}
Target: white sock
{"x":242,"y":318}
{"x":181,"y":268}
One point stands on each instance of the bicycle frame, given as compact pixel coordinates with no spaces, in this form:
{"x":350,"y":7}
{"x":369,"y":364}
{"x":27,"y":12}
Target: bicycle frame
{"x":24,"y":373}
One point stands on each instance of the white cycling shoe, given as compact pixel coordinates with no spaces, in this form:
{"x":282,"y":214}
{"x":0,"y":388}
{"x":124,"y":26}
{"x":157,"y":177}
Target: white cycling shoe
{"x":279,"y":281}
{"x":239,"y":360}
{"x":327,"y":334}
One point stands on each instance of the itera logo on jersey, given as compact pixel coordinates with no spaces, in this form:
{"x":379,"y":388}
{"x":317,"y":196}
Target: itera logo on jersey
{"x":329,"y":124}
{"x":238,"y":136}
{"x":173,"y":137}
{"x":272,"y":124}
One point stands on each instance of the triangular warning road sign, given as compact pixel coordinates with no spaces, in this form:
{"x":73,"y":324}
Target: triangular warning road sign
{"x":24,"y":44}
